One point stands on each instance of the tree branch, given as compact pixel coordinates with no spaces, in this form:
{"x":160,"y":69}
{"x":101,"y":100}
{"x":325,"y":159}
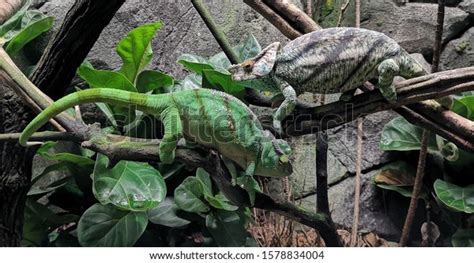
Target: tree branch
{"x":299,"y":19}
{"x":279,"y":22}
{"x":310,"y":120}
{"x":71,"y":44}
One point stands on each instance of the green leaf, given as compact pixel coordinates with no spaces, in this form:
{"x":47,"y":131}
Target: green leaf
{"x":463,"y":238}
{"x":39,"y":220}
{"x":75,"y":159}
{"x":250,"y":184}
{"x":194,"y":63}
{"x":250,"y":48}
{"x":399,"y":176}
{"x":129,"y":185}
{"x":33,"y":24}
{"x":220,"y":202}
{"x":13,"y":22}
{"x":105,"y":79}
{"x":464,"y":106}
{"x":105,"y":226}
{"x":192,"y":81}
{"x":458,"y":198}
{"x":135,"y":50}
{"x":149,"y":80}
{"x":227,"y":228}
{"x":213,"y":79}
{"x":189,"y":196}
{"x":165,"y":214}
{"x":400,"y":135}
{"x":38,"y":190}
{"x":205,"y":180}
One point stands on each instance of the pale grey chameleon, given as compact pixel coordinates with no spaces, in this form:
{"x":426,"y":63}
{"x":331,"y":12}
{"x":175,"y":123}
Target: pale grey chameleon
{"x":331,"y":60}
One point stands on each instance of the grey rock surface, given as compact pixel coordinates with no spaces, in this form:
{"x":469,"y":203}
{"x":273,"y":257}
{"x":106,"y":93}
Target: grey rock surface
{"x":183,"y":30}
{"x":412,"y":25}
{"x":467,"y":6}
{"x":459,"y":52}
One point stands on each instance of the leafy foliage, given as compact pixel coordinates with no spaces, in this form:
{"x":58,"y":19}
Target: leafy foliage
{"x":128,"y":185}
{"x":129,"y":202}
{"x":105,"y":226}
{"x":459,"y":199}
{"x":457,"y":195}
{"x":213,"y":70}
{"x":23,"y":27}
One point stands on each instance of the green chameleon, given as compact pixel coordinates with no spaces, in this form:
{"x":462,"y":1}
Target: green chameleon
{"x":207,"y":117}
{"x":331,"y":60}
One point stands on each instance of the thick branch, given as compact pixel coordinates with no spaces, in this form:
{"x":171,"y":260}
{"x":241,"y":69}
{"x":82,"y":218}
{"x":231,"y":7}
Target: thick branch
{"x":279,"y":22}
{"x":437,"y":85}
{"x":300,"y":20}
{"x":79,"y":31}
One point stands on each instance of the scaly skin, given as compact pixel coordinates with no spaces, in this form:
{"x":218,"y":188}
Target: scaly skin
{"x":331,"y":60}
{"x":208,"y":117}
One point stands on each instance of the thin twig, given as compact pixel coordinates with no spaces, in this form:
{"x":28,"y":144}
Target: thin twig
{"x":420,"y":171}
{"x":416,"y":190}
{"x":216,"y":32}
{"x":360,"y":131}
{"x":343,"y":11}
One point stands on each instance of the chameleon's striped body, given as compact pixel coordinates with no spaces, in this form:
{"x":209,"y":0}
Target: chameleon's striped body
{"x":331,"y":60}
{"x":208,"y":117}
{"x":336,"y":60}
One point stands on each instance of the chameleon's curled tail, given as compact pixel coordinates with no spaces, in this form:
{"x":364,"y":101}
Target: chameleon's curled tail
{"x":143,"y":102}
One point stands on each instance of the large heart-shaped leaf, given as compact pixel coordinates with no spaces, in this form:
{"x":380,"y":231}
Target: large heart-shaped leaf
{"x":135,"y":50}
{"x":129,"y":185}
{"x":458,"y":198}
{"x":189,"y":196}
{"x":165,"y":214}
{"x":227,"y":228}
{"x":400,"y":135}
{"x":150,"y":80}
{"x":463,"y":238}
{"x":105,"y":226}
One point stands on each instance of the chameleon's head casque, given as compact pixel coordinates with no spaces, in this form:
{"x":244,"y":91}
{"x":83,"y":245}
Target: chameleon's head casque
{"x":256,"y":67}
{"x":274,"y":159}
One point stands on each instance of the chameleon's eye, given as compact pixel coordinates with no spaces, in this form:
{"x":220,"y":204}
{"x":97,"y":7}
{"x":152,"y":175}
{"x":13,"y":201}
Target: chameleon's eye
{"x":247,"y":65}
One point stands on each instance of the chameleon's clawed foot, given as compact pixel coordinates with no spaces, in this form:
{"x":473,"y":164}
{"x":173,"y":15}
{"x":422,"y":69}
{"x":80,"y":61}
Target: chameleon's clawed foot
{"x":277,"y":126}
{"x":347,"y":95}
{"x":389,"y":93}
{"x":167,"y":157}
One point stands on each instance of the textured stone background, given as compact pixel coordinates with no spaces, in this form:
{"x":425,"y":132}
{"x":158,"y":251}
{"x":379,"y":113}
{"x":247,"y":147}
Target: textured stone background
{"x":412,"y":25}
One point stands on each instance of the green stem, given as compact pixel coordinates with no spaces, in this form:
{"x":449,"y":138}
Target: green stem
{"x":216,"y":32}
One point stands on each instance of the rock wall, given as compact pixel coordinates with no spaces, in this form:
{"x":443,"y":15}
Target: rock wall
{"x":411,"y":24}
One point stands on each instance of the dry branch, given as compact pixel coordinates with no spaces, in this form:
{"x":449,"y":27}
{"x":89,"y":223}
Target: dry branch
{"x":437,"y":85}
